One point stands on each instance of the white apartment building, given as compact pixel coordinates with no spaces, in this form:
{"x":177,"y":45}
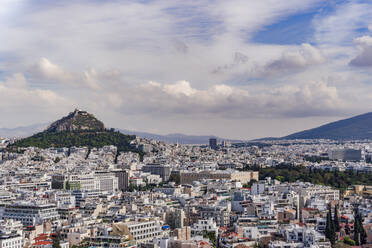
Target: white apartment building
{"x":106,"y":181}
{"x":202,"y":226}
{"x":30,"y":214}
{"x":321,"y":192}
{"x":144,"y":229}
{"x":307,"y":236}
{"x":11,"y":240}
{"x":63,"y":199}
{"x":102,"y":181}
{"x":11,"y":234}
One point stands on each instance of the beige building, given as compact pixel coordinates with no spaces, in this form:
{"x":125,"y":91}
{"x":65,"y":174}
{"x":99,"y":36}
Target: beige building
{"x":362,"y":190}
{"x":241,"y":176}
{"x":141,"y":231}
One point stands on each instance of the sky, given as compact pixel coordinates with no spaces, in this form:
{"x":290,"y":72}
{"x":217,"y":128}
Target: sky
{"x":237,"y":69}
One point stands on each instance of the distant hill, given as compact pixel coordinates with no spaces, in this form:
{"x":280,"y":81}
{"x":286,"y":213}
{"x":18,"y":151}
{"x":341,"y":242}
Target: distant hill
{"x":25,"y":131}
{"x":357,"y":127}
{"x":177,"y":137}
{"x":21,"y":132}
{"x":78,"y":128}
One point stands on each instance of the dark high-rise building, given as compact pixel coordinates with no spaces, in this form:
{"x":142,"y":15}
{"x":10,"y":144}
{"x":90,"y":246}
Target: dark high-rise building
{"x":123,"y":179}
{"x":213,"y":143}
{"x":345,"y":154}
{"x":163,"y":171}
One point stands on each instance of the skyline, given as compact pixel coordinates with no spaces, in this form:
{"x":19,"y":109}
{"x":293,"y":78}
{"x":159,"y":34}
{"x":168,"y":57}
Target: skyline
{"x":232,"y":69}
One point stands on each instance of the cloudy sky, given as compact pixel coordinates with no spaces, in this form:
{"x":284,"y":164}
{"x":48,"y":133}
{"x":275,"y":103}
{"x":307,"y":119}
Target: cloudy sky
{"x":237,"y":68}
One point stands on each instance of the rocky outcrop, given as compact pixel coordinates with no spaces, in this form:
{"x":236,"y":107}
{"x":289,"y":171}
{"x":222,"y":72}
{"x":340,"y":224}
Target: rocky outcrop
{"x":77,"y":120}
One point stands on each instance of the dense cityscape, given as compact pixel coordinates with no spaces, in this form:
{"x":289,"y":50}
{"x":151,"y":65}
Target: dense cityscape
{"x":185,"y":124}
{"x":170,"y":195}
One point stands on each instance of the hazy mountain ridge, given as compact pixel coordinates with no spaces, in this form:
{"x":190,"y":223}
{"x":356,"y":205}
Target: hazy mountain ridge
{"x":176,"y":137}
{"x":357,"y":127}
{"x":22,"y":131}
{"x":25,"y":131}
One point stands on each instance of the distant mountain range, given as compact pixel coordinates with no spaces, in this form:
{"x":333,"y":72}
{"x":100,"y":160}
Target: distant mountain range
{"x":26,"y":131}
{"x":357,"y":127}
{"x":176,"y":137}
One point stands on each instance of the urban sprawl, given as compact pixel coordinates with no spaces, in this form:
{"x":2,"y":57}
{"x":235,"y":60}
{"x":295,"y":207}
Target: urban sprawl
{"x":184,"y":196}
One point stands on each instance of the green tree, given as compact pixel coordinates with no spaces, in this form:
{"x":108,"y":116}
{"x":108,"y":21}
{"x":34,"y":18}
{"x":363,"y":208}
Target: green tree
{"x":349,"y":241}
{"x":212,"y":237}
{"x":279,"y":178}
{"x":336,"y":221}
{"x":67,"y":185}
{"x":86,"y":138}
{"x":338,"y":179}
{"x":56,"y":243}
{"x":330,"y":230}
{"x":360,"y":235}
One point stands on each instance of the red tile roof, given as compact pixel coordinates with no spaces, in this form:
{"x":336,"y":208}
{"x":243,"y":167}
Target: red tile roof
{"x":42,"y":243}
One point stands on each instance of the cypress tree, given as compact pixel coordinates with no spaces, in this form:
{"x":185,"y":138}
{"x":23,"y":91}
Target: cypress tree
{"x":360,"y":235}
{"x":330,"y":229}
{"x":56,"y":243}
{"x":336,"y":222}
{"x":363,"y":234}
{"x":356,"y":227}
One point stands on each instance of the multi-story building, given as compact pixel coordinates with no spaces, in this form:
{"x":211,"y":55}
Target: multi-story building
{"x":143,"y":230}
{"x":220,"y":214}
{"x":175,"y":218}
{"x":63,"y":199}
{"x":345,"y":154}
{"x":213,"y":143}
{"x":30,"y":214}
{"x":123,"y":179}
{"x":202,"y":226}
{"x":163,"y":171}
{"x":106,"y":181}
{"x":11,"y":234}
{"x":11,"y":240}
{"x":84,"y":196}
{"x":99,"y":180}
{"x":187,"y":177}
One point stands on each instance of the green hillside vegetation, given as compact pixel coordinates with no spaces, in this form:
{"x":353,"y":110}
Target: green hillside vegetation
{"x":80,"y":138}
{"x":337,"y":179}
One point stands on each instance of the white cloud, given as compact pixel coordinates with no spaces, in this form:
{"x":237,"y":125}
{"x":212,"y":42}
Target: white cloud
{"x":364,"y":41}
{"x":16,"y":97}
{"x":99,"y":60}
{"x":181,"y":88}
{"x":91,"y":78}
{"x":16,"y":81}
{"x":364,"y":58}
{"x":311,"y":99}
{"x":48,"y":70}
{"x":250,"y":16}
{"x":301,"y":58}
{"x":340,"y":26}
{"x":16,"y":87}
